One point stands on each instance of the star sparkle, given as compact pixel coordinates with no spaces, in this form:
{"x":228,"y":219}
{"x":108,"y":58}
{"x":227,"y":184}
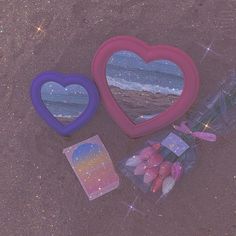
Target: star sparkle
{"x":208,"y":49}
{"x":132,"y":208}
{"x":39,"y":30}
{"x":206,"y":126}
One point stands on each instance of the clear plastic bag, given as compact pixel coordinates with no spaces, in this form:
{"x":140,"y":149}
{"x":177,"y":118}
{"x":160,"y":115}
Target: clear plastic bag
{"x":162,"y":161}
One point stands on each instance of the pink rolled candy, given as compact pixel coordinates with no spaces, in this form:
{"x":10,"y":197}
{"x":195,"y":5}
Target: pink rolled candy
{"x":140,"y":169}
{"x":146,"y":153}
{"x":155,"y":160}
{"x":177,"y":170}
{"x":150,"y":175}
{"x":167,"y":185}
{"x":134,"y":161}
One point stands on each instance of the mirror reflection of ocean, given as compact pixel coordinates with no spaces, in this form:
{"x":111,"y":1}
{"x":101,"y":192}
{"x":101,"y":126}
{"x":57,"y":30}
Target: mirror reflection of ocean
{"x":66,"y":103}
{"x":129,"y":72}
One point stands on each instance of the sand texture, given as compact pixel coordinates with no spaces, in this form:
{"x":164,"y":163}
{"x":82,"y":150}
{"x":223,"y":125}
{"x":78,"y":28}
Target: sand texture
{"x":39,"y":192}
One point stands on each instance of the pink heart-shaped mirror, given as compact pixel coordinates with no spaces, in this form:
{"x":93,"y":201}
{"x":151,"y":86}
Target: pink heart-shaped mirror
{"x":144,"y":88}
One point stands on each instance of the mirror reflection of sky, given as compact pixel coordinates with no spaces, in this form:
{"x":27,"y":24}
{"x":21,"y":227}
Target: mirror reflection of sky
{"x":64,"y":102}
{"x":127,"y":70}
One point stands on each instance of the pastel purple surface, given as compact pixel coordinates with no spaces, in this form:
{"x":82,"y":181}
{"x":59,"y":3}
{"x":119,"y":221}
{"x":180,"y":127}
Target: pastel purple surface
{"x":64,"y":80}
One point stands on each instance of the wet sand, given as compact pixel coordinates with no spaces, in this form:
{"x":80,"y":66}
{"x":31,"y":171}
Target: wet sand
{"x":137,"y":103}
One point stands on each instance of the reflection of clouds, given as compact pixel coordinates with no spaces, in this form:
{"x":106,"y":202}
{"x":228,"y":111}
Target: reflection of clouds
{"x":135,"y":61}
{"x":52,"y":87}
{"x":128,"y":71}
{"x":125,"y":53}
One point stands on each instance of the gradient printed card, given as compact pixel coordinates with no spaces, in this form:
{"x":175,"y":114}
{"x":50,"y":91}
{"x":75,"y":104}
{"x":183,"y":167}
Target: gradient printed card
{"x":93,"y":167}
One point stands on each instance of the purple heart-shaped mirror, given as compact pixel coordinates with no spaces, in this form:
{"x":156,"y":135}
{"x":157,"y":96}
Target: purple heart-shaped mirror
{"x":65,"y":102}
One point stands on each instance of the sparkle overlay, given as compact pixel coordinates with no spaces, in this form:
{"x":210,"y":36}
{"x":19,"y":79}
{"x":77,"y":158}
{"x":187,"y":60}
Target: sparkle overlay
{"x":132,"y":208}
{"x":39,"y":31}
{"x":208,"y":49}
{"x":93,"y":167}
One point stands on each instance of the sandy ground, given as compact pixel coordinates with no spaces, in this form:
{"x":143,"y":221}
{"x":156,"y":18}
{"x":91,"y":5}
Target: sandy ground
{"x":40,"y":194}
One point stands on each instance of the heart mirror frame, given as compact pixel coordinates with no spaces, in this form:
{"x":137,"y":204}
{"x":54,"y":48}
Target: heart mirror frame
{"x":64,"y":80}
{"x":148,"y":53}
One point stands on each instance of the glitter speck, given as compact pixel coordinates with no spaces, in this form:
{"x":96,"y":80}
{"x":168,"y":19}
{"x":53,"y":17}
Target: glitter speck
{"x":208,"y":49}
{"x":132,"y":208}
{"x":39,"y":29}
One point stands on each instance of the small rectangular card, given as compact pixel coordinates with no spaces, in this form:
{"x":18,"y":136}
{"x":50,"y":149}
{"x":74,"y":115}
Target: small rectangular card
{"x":92,"y":165}
{"x":175,"y":144}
